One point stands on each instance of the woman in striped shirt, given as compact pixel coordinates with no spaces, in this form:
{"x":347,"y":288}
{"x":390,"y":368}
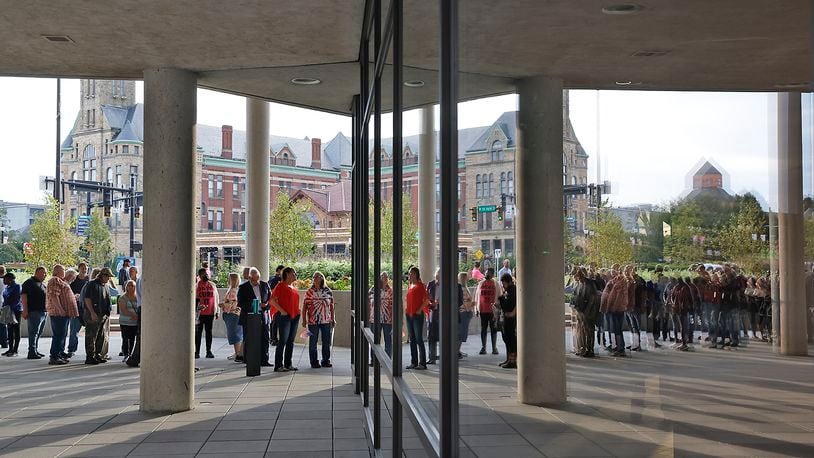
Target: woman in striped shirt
{"x":385,"y":311}
{"x":319,"y":318}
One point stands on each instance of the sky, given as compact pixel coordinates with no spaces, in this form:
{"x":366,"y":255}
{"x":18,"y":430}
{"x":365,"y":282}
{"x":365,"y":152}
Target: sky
{"x":646,"y":143}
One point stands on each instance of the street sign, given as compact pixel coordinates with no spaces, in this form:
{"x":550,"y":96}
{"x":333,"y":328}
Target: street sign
{"x":479,"y":255}
{"x":82,"y":225}
{"x":498,"y":252}
{"x":487,"y":208}
{"x":28,"y":248}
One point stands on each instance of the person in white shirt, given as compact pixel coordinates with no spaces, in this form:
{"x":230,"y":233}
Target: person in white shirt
{"x":505,"y":269}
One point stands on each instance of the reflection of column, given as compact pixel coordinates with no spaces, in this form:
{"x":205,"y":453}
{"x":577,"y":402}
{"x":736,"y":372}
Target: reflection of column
{"x":257,"y":185}
{"x":773,"y":276}
{"x":426,"y":193}
{"x":167,"y":382}
{"x":793,"y":314}
{"x":540,"y":253}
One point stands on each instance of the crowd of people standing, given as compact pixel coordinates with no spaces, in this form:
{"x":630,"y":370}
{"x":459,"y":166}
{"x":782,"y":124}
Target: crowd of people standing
{"x":714,"y":304}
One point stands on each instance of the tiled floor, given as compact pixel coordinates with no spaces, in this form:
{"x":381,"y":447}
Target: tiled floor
{"x":744,"y":402}
{"x":736,"y":402}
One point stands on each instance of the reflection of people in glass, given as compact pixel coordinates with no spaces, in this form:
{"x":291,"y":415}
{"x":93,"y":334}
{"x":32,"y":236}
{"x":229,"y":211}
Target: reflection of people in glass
{"x":417,"y":302}
{"x":465,"y":311}
{"x":385,"y":311}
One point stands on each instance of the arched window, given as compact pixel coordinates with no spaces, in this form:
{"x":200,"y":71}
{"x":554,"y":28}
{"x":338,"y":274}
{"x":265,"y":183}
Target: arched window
{"x":573,"y":180}
{"x":90,"y":152}
{"x":89,"y":163}
{"x":510,"y":180}
{"x":503,"y":183}
{"x":478,"y":188}
{"x":109,"y":175}
{"x":497,"y":150}
{"x":491,"y":184}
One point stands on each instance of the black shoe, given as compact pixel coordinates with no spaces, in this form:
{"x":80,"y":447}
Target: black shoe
{"x":431,"y":362}
{"x":210,"y":355}
{"x":495,"y":352}
{"x":197,"y":356}
{"x":482,"y":351}
{"x":421,"y":367}
{"x":101,"y":360}
{"x":327,"y":364}
{"x":121,"y":353}
{"x":280,"y":369}
{"x":411,"y":366}
{"x":34,"y":356}
{"x":8,"y":353}
{"x":266,"y":364}
{"x":64,"y":355}
{"x":12,"y":353}
{"x":291,"y":368}
{"x":40,"y":355}
{"x":238,"y":359}
{"x":91,"y":361}
{"x":315,"y":366}
{"x":57,"y":362}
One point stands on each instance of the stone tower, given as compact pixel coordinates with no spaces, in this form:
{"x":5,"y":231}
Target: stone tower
{"x":96,"y":93}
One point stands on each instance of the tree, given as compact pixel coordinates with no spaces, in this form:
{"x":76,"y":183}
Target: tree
{"x":740,"y":241}
{"x":409,"y":232}
{"x":10,"y":253}
{"x":53,"y":242}
{"x":98,"y":245}
{"x":608,"y":243}
{"x":684,"y":243}
{"x":652,"y":246}
{"x":291,"y":235}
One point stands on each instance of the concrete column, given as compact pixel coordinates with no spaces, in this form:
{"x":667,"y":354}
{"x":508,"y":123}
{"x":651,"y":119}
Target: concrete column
{"x":257,"y":185}
{"x":427,"y":260}
{"x":540,"y":253}
{"x":167,"y":378}
{"x":793,"y":316}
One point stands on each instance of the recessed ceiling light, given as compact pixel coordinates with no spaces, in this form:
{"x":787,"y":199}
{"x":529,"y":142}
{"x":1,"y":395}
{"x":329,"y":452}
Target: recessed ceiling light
{"x":622,"y":8}
{"x":305,"y":81}
{"x":58,"y":38}
{"x":414,"y":83}
{"x":796,"y":85}
{"x":628,"y":83}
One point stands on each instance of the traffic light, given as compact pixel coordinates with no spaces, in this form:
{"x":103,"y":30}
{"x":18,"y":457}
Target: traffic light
{"x":473,"y":212}
{"x":500,"y":212}
{"x":503,"y":201}
{"x":106,"y":197}
{"x":137,"y":212}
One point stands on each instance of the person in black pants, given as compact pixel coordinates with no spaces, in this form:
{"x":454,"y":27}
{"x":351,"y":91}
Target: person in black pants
{"x":508,"y":305}
{"x":206,"y":301}
{"x":246,"y":293}
{"x":275,"y":319}
{"x":11,"y":298}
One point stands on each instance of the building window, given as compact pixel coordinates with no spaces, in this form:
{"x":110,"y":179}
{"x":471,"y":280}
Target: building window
{"x":109,"y":175}
{"x":491,"y":185}
{"x":118,"y":176}
{"x":89,"y":152}
{"x":510,"y":180}
{"x":125,"y":149}
{"x":233,"y":254}
{"x":488,"y":217}
{"x":235,"y":221}
{"x":497,"y":151}
{"x":219,"y":186}
{"x":574,"y":180}
{"x":503,"y":187}
{"x":211,"y":185}
{"x":136,"y":150}
{"x":73,"y":178}
{"x":437,"y":221}
{"x":485,"y":246}
{"x":478,"y":189}
{"x":89,"y":163}
{"x":508,"y":247}
{"x":133,"y":176}
{"x":210,"y":219}
{"x":459,"y":187}
{"x":437,"y":187}
{"x":235,"y":187}
{"x":219,"y":220}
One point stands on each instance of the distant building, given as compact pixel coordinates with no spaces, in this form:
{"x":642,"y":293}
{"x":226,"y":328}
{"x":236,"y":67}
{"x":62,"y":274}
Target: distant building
{"x":20,"y":215}
{"x":708,"y":181}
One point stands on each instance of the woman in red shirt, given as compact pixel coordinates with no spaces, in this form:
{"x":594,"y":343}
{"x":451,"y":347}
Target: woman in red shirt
{"x":286,"y":300}
{"x":206,"y":296}
{"x":417,"y":301}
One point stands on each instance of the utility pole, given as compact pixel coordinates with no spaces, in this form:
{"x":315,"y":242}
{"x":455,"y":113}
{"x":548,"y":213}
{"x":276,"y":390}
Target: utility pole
{"x":57,"y":177}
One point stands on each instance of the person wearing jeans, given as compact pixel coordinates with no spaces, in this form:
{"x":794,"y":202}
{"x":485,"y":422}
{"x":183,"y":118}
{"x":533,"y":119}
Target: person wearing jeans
{"x":33,"y":296}
{"x":96,"y":297}
{"x":417,"y":302}
{"x":76,"y":323}
{"x":61,"y":305}
{"x":486,"y":296}
{"x":286,"y":300}
{"x":318,"y":307}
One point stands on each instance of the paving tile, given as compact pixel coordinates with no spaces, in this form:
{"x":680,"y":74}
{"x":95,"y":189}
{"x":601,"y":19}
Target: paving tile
{"x":44,"y":441}
{"x":242,"y":435}
{"x":312,"y":433}
{"x":230,"y":425}
{"x":100,"y":450}
{"x":514,"y":451}
{"x":350,"y":444}
{"x":167,"y":448}
{"x":232,"y":447}
{"x":302,"y":445}
{"x":112,"y":438}
{"x":35,"y":452}
{"x":175,"y":436}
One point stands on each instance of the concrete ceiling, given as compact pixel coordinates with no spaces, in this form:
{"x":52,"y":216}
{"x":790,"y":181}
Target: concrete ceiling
{"x":257,"y":47}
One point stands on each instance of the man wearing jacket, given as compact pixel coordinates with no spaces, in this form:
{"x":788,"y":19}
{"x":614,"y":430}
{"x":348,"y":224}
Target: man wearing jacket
{"x":97,"y":312}
{"x":61,"y":305}
{"x":246,"y":293}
